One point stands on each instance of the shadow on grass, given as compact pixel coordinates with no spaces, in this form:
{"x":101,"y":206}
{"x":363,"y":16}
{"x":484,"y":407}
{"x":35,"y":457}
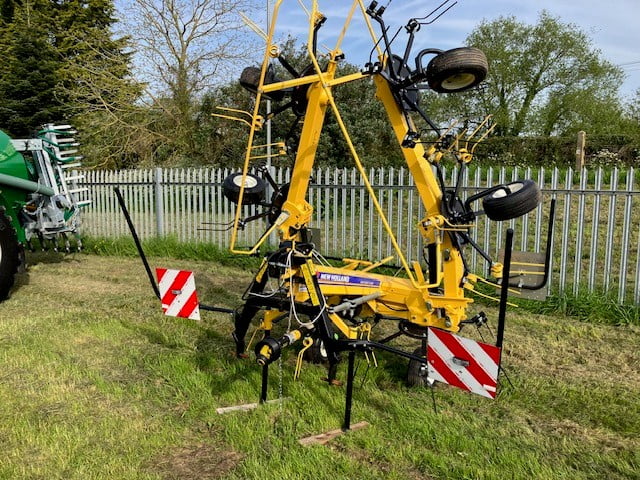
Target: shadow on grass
{"x":23,"y":276}
{"x":215,"y":356}
{"x":212,"y":355}
{"x":50,"y":257}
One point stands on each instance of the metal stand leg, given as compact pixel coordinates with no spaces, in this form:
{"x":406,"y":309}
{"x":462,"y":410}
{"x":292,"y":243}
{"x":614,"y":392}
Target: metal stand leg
{"x":504,"y":290}
{"x":504,"y":294}
{"x":265,"y":383}
{"x":350,"y":375}
{"x":136,"y":240}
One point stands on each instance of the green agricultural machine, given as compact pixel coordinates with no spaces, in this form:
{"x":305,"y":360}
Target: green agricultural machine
{"x":39,"y":197}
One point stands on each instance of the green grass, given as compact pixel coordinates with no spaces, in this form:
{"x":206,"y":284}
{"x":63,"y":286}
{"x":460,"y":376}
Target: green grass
{"x":597,"y":307}
{"x":169,"y":246}
{"x":96,"y":383}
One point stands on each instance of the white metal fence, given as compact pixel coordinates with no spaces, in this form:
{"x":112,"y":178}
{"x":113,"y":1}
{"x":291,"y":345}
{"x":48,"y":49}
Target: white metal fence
{"x":596,"y":238}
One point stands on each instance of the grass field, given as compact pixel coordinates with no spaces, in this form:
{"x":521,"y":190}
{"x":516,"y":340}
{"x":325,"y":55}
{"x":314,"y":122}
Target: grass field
{"x":96,"y":383}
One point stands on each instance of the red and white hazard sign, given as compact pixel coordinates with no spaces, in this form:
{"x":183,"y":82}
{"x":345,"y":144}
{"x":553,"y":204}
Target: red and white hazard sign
{"x":178,"y":293}
{"x":463,"y":362}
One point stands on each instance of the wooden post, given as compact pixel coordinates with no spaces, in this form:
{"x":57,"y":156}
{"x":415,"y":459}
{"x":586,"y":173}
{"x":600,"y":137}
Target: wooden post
{"x":582,"y":139}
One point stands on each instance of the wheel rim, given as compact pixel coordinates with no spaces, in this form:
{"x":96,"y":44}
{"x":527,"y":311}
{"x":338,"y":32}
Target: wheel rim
{"x":323,"y":350}
{"x":458,"y":81}
{"x":249,"y":182}
{"x":513,"y":188}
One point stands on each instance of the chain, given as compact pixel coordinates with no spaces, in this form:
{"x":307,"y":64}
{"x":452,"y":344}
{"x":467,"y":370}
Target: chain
{"x":280,"y":385}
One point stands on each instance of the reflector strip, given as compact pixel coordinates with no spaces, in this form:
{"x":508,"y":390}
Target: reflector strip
{"x":463,"y":362}
{"x":178,"y":293}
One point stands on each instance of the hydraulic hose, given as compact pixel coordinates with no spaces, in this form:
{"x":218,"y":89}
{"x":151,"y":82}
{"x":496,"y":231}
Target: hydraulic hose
{"x":28,"y":185}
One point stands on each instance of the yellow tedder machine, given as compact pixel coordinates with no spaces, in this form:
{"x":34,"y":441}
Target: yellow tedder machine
{"x":332,"y":308}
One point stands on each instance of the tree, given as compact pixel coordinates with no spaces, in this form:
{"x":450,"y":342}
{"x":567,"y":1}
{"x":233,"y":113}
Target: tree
{"x":61,"y":61}
{"x":96,"y":80}
{"x":29,"y":73}
{"x":545,"y":79}
{"x":184,"y":48}
{"x":633,"y":109}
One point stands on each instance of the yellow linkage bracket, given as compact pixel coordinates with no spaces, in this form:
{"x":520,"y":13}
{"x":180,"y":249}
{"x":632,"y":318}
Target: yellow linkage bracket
{"x":306,"y":344}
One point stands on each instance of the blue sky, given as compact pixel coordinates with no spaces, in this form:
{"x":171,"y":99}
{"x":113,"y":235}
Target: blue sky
{"x":612,"y":25}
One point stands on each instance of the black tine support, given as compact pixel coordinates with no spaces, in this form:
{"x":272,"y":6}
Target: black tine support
{"x":349,"y":398}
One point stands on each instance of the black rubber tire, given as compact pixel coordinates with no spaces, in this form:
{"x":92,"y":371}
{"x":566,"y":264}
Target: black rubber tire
{"x":250,"y":79}
{"x":457,"y":70}
{"x":9,"y":255}
{"x":416,"y":372}
{"x":316,"y":353}
{"x":512,"y":201}
{"x":254,"y":188}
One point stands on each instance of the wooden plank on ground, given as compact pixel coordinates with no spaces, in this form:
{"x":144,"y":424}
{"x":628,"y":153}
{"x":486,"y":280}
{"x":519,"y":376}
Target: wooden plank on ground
{"x":324,"y":438}
{"x":244,"y":408}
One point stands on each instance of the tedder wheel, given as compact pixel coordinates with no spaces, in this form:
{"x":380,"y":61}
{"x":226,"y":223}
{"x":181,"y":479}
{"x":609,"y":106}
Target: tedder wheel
{"x":417,"y":371}
{"x":9,"y":255}
{"x":512,"y":201}
{"x":316,"y":353}
{"x":457,"y":70}
{"x":254,"y":188}
{"x":250,"y":79}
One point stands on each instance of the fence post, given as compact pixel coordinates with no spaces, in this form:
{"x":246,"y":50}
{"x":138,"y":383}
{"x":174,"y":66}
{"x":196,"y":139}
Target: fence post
{"x":582,"y":139}
{"x":159,"y":193}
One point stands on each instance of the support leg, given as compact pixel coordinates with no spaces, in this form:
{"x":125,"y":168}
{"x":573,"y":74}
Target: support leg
{"x":265,"y":383}
{"x":349,"y":396}
{"x":242,"y":319}
{"x":504,"y":290}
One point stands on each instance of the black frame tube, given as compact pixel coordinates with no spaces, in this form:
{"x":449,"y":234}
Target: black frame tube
{"x":145,"y":262}
{"x":547,"y":257}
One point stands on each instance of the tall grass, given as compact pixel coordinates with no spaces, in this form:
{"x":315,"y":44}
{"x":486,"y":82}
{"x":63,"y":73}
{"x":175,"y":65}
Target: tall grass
{"x":596,"y":307}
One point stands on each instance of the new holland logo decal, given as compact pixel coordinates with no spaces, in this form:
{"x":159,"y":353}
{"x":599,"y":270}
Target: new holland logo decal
{"x":340,"y":279}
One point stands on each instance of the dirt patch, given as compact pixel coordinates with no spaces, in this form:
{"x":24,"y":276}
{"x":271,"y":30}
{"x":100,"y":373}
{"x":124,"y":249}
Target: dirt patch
{"x":200,"y":462}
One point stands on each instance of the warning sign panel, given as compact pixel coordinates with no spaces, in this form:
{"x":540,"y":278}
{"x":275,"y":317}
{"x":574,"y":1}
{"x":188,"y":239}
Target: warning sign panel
{"x":178,"y":293}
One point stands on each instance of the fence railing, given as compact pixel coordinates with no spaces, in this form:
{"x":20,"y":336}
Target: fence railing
{"x":596,"y":235}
